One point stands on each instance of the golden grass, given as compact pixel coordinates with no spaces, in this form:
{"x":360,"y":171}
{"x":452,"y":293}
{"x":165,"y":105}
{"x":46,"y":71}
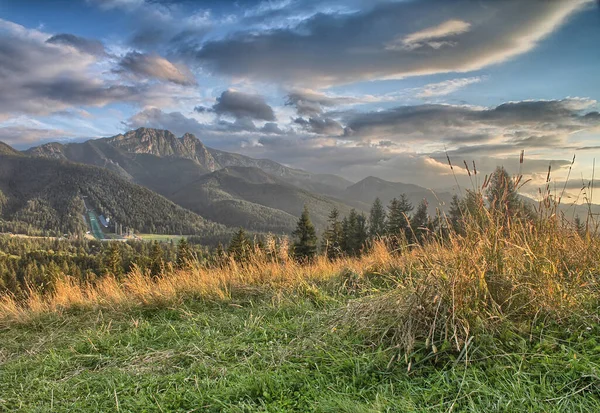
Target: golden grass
{"x":443,"y":291}
{"x":137,"y":288}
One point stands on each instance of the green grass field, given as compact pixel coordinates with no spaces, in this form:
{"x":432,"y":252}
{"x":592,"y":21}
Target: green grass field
{"x":160,"y":237}
{"x":254,"y":355}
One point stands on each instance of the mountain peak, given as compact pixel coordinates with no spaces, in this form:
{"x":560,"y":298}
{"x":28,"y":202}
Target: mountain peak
{"x":6,"y":149}
{"x":164,"y":143}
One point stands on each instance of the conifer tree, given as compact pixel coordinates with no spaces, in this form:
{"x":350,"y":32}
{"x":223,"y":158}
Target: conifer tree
{"x":184,"y":254}
{"x":398,"y":218}
{"x":455,"y":217}
{"x":113,"y":262}
{"x":240,"y":246}
{"x":361,"y":233}
{"x":350,"y":240}
{"x":305,"y":246}
{"x":156,"y":259}
{"x":420,"y":222}
{"x":332,"y":237}
{"x":501,"y":194}
{"x":377,"y":219}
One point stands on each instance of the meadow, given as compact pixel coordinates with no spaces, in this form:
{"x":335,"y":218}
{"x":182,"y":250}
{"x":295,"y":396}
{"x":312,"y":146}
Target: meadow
{"x":499,"y":315}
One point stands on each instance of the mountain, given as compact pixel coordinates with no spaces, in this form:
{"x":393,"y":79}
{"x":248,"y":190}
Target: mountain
{"x":232,"y":189}
{"x":324,"y":184}
{"x":137,"y":153}
{"x":8,"y":150}
{"x":185,"y":171}
{"x":371,"y":187}
{"x":48,"y":194}
{"x":252,"y":198}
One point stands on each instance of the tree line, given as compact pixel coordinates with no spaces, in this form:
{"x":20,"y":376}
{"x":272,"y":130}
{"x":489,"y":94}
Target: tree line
{"x":27,"y":263}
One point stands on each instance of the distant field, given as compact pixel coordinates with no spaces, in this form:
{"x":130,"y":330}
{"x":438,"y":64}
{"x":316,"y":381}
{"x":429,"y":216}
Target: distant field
{"x":160,"y":237}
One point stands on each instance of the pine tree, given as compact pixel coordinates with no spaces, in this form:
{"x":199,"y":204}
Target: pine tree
{"x":579,"y":226}
{"x":350,"y":241}
{"x":113,"y":262}
{"x":455,"y":216}
{"x":398,"y":219}
{"x":240,"y":246}
{"x":332,"y":237}
{"x":305,"y":247}
{"x":420,"y":222}
{"x":156,"y":259}
{"x":501,"y":194}
{"x":184,"y":254}
{"x":377,"y":219}
{"x":361,"y":233}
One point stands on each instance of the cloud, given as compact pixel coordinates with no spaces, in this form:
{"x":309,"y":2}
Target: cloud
{"x":21,"y":137}
{"x":118,"y":4}
{"x":446,"y":87}
{"x":175,"y":122}
{"x":311,"y":102}
{"x":153,"y":66}
{"x":179,"y":124}
{"x":42,"y":74}
{"x":241,"y":105}
{"x":389,"y":159}
{"x":165,"y":27}
{"x":328,"y":49}
{"x":431,"y":36}
{"x":528,"y":123}
{"x":89,"y":46}
{"x":321,"y":125}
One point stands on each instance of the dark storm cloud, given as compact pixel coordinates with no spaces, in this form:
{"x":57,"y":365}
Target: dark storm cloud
{"x":390,"y":40}
{"x":89,"y":46}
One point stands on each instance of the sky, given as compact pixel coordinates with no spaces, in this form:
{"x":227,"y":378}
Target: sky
{"x":388,"y":88}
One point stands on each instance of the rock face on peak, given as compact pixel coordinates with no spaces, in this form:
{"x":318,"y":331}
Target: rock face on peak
{"x":163,"y":143}
{"x":51,"y":150}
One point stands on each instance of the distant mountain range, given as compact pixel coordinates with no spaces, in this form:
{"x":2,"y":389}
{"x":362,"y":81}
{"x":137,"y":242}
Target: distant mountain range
{"x":50,"y":195}
{"x":218,"y":189}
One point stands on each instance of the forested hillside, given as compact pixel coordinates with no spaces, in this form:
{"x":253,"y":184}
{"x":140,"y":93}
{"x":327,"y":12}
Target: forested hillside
{"x":249,"y":197}
{"x":46,"y":195}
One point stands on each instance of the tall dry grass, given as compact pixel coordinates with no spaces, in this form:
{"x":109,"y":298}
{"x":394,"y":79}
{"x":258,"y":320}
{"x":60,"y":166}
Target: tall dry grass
{"x":441,"y":292}
{"x":261,"y":274}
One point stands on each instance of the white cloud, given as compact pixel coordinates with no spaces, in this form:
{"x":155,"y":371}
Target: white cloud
{"x":446,"y":87}
{"x":431,"y":36}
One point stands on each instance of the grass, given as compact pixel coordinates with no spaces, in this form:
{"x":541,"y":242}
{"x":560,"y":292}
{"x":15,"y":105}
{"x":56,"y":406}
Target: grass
{"x":256,"y":355}
{"x":503,"y":317}
{"x":160,"y":237}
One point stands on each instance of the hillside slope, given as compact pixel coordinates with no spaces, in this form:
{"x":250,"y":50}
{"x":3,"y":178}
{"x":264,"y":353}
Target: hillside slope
{"x":371,"y":187}
{"x":249,"y":197}
{"x":47,"y":194}
{"x":182,"y":169}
